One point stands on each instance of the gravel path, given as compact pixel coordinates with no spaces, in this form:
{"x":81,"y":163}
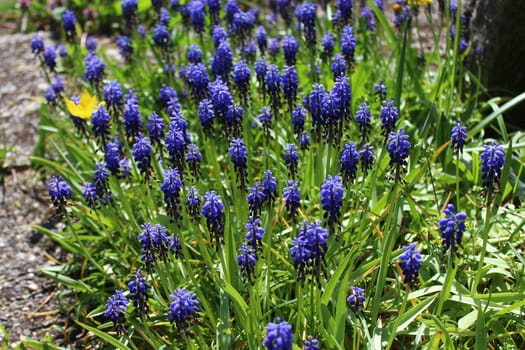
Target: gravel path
{"x":28,"y":307}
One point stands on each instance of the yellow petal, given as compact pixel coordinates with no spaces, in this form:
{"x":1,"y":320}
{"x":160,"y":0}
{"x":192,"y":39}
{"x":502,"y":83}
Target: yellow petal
{"x":71,"y":107}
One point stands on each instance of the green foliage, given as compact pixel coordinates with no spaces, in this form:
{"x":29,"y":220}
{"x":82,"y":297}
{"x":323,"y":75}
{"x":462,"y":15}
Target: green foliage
{"x":465,"y":297}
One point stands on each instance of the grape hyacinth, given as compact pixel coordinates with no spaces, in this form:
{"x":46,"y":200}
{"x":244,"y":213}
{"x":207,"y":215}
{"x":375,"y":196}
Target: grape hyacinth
{"x":155,"y":243}
{"x":262,"y":39}
{"x":311,"y":344}
{"x":328,"y":44}
{"x":60,"y":192}
{"x":349,"y":160}
{"x":50,"y":57}
{"x":492,"y":162}
{"x":193,"y":203}
{"x":156,"y":129}
{"x":247,"y":259}
{"x":298,"y":119}
{"x":363,"y":117}
{"x":291,"y":158}
{"x":176,"y":145}
{"x":255,"y":232}
{"x":458,"y":137}
{"x":100,"y":180}
{"x":113,"y":95}
{"x":452,"y":228}
{"x":171,"y":187}
{"x":69,"y":21}
{"x":193,"y":159}
{"x":265,"y":118}
{"x":274,"y":47}
{"x":366,"y":158}
{"x":161,"y":36}
{"x":332,"y":192}
{"x":279,"y":335}
{"x":380,"y":90}
{"x":292,"y":198}
{"x":368,"y":15}
{"x":338,"y":65}
{"x":198,"y":80}
{"x":206,"y":116}
{"x":256,"y":198}
{"x":132,"y":121}
{"x":398,"y":148}
{"x":389,"y":117}
{"x":116,"y":307}
{"x":222,"y":61}
{"x":238,"y":156}
{"x":194,"y":54}
{"x":307,"y":18}
{"x":410,"y":263}
{"x":112,"y":158}
{"x":269,"y":184}
{"x":100,"y":121}
{"x":37,"y":44}
{"x":89,"y":192}
{"x":197,"y":14}
{"x":348,"y":43}
{"x":272,"y":82}
{"x":138,"y":289}
{"x":183,"y":309}
{"x":241,"y":78}
{"x":290,"y":47}
{"x":308,"y":250}
{"x":213,"y":211}
{"x":357,"y":298}
{"x":125,"y":45}
{"x":289,"y":82}
{"x":304,"y":141}
{"x":129,"y":9}
{"x":95,"y":68}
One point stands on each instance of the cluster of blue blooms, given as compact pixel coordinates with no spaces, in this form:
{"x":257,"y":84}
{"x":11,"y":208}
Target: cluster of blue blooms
{"x":162,"y":150}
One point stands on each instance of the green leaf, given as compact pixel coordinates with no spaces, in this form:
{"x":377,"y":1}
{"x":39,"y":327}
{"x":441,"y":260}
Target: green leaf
{"x":104,"y":336}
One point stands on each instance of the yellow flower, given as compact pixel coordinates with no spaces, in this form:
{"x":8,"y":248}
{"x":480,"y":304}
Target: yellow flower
{"x":85,"y":108}
{"x":419,"y":2}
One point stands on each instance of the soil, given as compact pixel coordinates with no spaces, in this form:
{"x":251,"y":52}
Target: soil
{"x":28,"y":305}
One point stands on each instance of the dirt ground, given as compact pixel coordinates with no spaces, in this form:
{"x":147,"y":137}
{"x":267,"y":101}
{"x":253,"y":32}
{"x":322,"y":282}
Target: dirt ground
{"x":28,"y":306}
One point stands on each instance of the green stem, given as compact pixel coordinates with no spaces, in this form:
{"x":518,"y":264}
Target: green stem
{"x":485,"y":238}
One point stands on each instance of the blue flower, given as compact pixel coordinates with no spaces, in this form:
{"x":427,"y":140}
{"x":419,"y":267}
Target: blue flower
{"x":492,"y":162}
{"x":402,"y":13}
{"x":116,"y":307}
{"x":298,"y":119}
{"x":171,"y":187}
{"x":112,"y":158}
{"x":50,"y":95}
{"x":410,"y":263}
{"x":222,"y":61}
{"x":91,"y":43}
{"x":59,"y":191}
{"x":307,"y":17}
{"x":193,"y":159}
{"x":345,"y":6}
{"x":308,"y":250}
{"x":292,"y":198}
{"x":363,"y":117}
{"x":269,"y":184}
{"x":218,"y":35}
{"x":260,"y":68}
{"x":197,"y":14}
{"x":304,"y":141}
{"x":241,"y":77}
{"x":69,"y":21}
{"x":37,"y":44}
{"x":166,"y":94}
{"x":458,"y":137}
{"x":198,"y":80}
{"x":272,"y":82}
{"x":255,"y":232}
{"x":113,"y":95}
{"x":142,"y":154}
{"x":348,"y":43}
{"x":338,"y":65}
{"x":398,"y":148}
{"x":290,"y":47}
{"x":156,"y":128}
{"x":368,"y":15}
{"x":214,"y":6}
{"x":366,"y":157}
{"x":279,"y":336}
{"x":238,"y":156}
{"x":95,"y":68}
{"x":262,"y":39}
{"x":161,"y":35}
{"x":291,"y":158}
{"x":62,"y":50}
{"x":357,"y":298}
{"x":89,"y":192}
{"x":265,"y":118}
{"x":328,"y":44}
{"x":315,"y":103}
{"x":176,"y":145}
{"x":129,"y":9}
{"x":50,"y":57}
{"x":125,"y":46}
{"x":100,"y":120}
{"x":193,"y":203}
{"x":274,"y":47}
{"x":452,"y":227}
{"x":389,"y":117}
{"x":289,"y":82}
{"x":164,"y":16}
{"x":100,"y":180}
{"x":311,"y":344}
{"x":155,"y":243}
{"x":213,"y":211}
{"x":184,"y":308}
{"x":349,"y":161}
{"x":247,"y":260}
{"x":138,"y":289}
{"x":132,"y":121}
{"x":243,"y":23}
{"x":206,"y":116}
{"x":381,"y":92}
{"x":194,"y":54}
{"x":332,"y":192}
